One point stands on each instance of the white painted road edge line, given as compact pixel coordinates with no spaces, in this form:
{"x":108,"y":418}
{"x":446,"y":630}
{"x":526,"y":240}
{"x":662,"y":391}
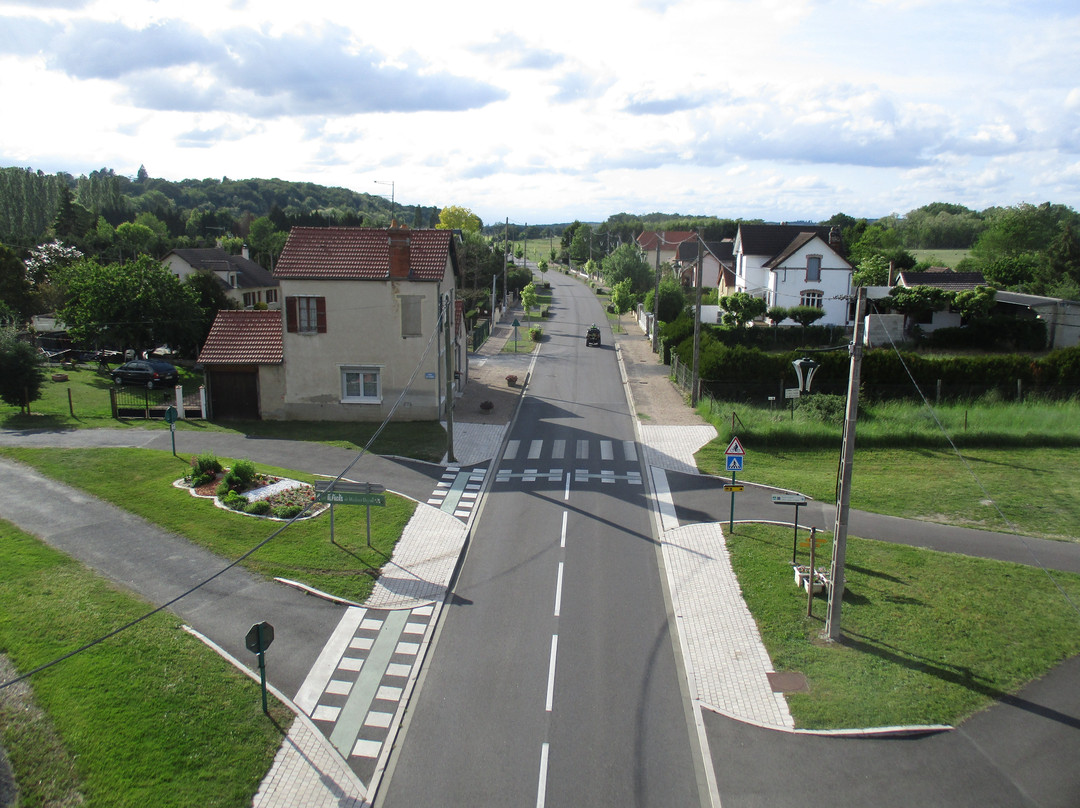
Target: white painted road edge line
{"x":558,"y":590}
{"x":541,"y":789}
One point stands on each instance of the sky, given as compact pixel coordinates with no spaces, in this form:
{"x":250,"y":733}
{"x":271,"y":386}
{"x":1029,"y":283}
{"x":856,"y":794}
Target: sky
{"x":783,"y":110}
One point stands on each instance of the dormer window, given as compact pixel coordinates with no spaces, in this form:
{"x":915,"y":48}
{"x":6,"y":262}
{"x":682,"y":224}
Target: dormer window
{"x":813,"y":269}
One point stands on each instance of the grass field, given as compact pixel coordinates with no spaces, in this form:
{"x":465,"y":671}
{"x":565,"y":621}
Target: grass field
{"x":302,"y":552}
{"x":943,"y":258}
{"x":928,"y":638}
{"x":88,"y":408}
{"x":1013,"y":470}
{"x":148,"y":717}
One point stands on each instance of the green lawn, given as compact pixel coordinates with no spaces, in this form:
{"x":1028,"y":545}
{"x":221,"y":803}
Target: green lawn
{"x":148,"y":717}
{"x":928,"y":638}
{"x":1017,"y":468}
{"x":302,"y":552}
{"x":946,"y":258}
{"x":88,"y":408}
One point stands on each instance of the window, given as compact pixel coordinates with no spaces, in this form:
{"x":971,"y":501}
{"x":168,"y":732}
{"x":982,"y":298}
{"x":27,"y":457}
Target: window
{"x":812,"y":297}
{"x":249,"y":299}
{"x":361,"y":385}
{"x":813,"y":269}
{"x":271,"y":295}
{"x":411,"y":316}
{"x":305,"y":315}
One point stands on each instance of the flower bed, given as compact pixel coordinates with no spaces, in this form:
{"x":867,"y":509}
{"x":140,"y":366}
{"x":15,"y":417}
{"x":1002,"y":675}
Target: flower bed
{"x":245,"y":491}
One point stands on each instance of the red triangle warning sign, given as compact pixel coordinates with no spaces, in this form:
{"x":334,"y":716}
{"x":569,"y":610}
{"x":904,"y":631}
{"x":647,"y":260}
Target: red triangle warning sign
{"x":734,"y":448}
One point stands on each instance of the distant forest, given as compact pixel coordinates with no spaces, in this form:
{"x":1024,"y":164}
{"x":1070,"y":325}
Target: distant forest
{"x":194,"y":213}
{"x":109,"y":217}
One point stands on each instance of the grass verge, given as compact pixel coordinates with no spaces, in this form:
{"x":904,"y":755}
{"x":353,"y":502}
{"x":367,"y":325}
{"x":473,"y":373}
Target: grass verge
{"x":1016,"y":472}
{"x":149,"y":717}
{"x":928,"y":637}
{"x":89,"y":408}
{"x":140,"y":481}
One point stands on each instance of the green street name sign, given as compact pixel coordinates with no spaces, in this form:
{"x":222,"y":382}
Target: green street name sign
{"x":351,"y":498}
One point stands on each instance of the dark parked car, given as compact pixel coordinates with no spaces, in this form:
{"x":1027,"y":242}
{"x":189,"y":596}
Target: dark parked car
{"x":592,"y":336}
{"x":148,"y":372}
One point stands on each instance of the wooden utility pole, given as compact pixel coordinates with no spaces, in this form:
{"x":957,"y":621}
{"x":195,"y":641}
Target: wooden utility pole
{"x":847,"y":454}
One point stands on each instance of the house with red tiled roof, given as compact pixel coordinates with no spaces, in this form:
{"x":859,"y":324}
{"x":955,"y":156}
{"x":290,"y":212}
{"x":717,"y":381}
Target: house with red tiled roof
{"x":362,"y":326}
{"x":795,"y":265}
{"x":243,"y":362}
{"x":662,"y":247}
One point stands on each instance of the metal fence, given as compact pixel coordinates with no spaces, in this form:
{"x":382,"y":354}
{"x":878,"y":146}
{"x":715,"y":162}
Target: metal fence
{"x":480,"y":333}
{"x":136,"y":401}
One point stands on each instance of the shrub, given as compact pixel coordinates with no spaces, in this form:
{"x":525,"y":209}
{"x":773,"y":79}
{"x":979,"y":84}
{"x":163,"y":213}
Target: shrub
{"x":259,"y":507}
{"x":234,"y":501}
{"x":536,"y":333}
{"x":201,"y":479}
{"x":286,"y":511}
{"x":245,"y":470}
{"x":826,"y":408}
{"x":231,"y":482}
{"x":206,"y":463}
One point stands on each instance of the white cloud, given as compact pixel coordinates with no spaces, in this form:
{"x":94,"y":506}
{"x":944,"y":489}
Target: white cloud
{"x":774,"y":108}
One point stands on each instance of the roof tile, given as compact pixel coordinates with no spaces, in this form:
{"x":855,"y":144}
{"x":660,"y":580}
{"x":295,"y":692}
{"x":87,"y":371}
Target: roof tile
{"x":244,"y":338}
{"x":360,"y":253}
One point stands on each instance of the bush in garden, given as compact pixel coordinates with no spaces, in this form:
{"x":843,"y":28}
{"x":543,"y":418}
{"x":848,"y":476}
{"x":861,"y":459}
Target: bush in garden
{"x":287,"y":511}
{"x":245,"y":470}
{"x":259,"y":507}
{"x":234,"y":501}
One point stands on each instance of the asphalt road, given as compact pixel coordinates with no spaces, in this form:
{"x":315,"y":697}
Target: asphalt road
{"x":554,"y":680}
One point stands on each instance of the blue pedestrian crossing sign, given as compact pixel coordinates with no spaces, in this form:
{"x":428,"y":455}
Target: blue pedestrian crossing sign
{"x":734,"y":462}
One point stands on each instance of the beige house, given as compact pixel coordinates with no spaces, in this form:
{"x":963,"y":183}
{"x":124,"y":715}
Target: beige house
{"x":365,"y":317}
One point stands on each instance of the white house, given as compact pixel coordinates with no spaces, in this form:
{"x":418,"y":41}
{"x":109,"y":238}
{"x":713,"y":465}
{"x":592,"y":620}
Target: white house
{"x":243,"y":280}
{"x":795,"y":265}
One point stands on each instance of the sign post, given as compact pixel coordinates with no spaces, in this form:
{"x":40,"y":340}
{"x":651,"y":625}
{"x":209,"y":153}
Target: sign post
{"x":796,"y":500}
{"x":258,"y":639}
{"x":346,"y":493}
{"x":733,"y":455}
{"x":170,"y":419}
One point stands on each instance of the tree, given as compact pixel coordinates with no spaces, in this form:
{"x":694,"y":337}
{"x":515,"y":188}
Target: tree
{"x":873,"y":270}
{"x":455,"y":217}
{"x":210,"y":298}
{"x":580,"y":244}
{"x":776,"y":314}
{"x":975,"y":304}
{"x":15,"y":290}
{"x":740,"y":308}
{"x":20,"y":370}
{"x":136,"y":239}
{"x":805,"y":315}
{"x":626,"y":263}
{"x":622,"y":298}
{"x":528,"y":299}
{"x":672,"y":300}
{"x":266,"y":241}
{"x":137,"y":305}
{"x":917,"y":302}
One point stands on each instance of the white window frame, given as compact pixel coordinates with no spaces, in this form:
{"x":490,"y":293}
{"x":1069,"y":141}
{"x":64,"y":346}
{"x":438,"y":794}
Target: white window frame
{"x":812,"y":297}
{"x":813,"y":277}
{"x":363,"y":398}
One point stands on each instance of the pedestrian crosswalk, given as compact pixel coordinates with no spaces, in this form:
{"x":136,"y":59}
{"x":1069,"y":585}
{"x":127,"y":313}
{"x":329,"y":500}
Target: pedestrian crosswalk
{"x":557,"y":460}
{"x":359,"y":701}
{"x":556,"y":449}
{"x":457,"y":491}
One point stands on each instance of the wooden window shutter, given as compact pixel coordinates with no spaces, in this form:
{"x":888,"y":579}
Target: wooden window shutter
{"x":320,"y":314}
{"x":291,"y":315}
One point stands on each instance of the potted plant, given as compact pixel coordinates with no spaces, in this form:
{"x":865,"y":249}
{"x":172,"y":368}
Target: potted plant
{"x":511,"y":380}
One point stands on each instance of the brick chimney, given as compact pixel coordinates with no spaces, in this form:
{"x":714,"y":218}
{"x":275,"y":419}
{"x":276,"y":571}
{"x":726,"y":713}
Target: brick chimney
{"x":398,"y":238}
